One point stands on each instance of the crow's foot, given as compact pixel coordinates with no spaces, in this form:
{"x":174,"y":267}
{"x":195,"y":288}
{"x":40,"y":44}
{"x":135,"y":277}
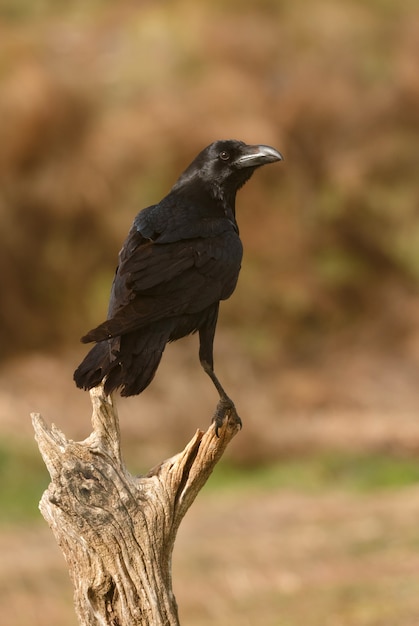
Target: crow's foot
{"x":225,"y":409}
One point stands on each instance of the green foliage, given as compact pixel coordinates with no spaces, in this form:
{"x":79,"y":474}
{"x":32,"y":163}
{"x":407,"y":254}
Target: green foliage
{"x":363,"y":473}
{"x":23,"y":478}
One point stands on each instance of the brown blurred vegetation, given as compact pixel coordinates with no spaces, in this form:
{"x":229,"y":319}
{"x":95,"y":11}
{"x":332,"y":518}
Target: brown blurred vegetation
{"x":103,"y":104}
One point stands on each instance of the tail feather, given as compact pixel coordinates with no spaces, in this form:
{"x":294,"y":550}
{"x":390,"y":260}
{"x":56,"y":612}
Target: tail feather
{"x":132,"y":375}
{"x":94,"y":366}
{"x":128,"y":363}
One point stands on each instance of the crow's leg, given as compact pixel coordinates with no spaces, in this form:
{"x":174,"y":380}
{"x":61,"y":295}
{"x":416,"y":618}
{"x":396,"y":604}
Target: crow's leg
{"x":225,"y":405}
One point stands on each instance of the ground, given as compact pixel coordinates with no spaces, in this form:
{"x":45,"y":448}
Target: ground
{"x":275,"y":558}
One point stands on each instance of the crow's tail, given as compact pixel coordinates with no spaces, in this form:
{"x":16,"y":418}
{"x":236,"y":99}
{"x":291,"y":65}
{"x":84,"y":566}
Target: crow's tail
{"x":94,"y":366}
{"x":127,"y":363}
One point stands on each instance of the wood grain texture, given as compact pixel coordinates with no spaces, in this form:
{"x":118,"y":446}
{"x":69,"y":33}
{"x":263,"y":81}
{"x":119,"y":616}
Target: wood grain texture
{"x":117,"y":531}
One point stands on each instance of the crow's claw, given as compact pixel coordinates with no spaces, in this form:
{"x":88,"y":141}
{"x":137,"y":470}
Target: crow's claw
{"x":225,"y":408}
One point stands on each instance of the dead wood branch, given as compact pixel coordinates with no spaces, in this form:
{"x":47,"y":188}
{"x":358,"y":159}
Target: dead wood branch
{"x":117,"y":531}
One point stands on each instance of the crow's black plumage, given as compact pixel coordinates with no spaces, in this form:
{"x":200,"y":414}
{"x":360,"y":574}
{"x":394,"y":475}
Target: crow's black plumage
{"x":181,"y":257}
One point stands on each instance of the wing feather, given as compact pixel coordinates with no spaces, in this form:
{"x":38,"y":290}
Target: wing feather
{"x":157,"y":281}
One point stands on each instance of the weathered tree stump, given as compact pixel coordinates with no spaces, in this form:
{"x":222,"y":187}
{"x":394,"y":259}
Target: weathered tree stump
{"x":117,"y":531}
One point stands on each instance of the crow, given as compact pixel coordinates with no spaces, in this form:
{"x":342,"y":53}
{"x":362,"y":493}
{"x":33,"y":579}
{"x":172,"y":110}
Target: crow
{"x":182,"y":257}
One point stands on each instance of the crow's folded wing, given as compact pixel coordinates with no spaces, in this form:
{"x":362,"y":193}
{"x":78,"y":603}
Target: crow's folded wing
{"x":156,"y":281}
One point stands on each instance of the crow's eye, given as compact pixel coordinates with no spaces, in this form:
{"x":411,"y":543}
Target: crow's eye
{"x":224,"y":156}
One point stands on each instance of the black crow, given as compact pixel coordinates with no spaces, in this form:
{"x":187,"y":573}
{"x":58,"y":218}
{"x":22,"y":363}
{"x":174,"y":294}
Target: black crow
{"x":181,"y":257}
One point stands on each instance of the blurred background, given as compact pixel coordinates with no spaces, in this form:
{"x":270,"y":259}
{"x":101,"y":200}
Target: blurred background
{"x":311,"y":518}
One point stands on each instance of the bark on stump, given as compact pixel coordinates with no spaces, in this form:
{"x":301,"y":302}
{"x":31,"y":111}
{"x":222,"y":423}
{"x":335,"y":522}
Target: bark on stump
{"x":117,"y":531}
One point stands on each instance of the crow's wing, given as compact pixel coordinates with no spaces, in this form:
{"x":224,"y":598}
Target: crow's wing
{"x":156,"y":281}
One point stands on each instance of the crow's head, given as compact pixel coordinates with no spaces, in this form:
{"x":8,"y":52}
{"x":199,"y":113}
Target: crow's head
{"x":224,"y":166}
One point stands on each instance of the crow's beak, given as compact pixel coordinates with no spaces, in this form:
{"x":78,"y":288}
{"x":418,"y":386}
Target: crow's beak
{"x":253,"y":156}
